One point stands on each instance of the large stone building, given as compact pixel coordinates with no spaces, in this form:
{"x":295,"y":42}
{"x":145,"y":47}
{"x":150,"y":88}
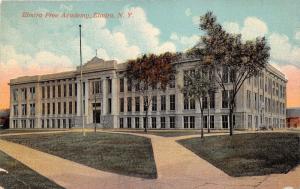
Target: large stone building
{"x":111,"y":101}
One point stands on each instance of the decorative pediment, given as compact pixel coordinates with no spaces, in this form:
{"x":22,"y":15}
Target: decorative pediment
{"x":98,"y":64}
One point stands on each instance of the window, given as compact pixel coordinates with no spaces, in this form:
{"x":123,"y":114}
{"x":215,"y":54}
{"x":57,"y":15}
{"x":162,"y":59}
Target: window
{"x":145,"y":103}
{"x":109,"y":106}
{"x":75,"y":89}
{"x":32,"y":92}
{"x":137,"y":86}
{"x":153,"y":122}
{"x":172,"y":122}
{"x":97,"y":87}
{"x":248,"y":99}
{"x":58,"y":123}
{"x":70,"y":123}
{"x":121,"y":104}
{"x":65,"y":90}
{"x":48,"y":108}
{"x":24,"y":109}
{"x":172,"y":102}
{"x":186,"y":122}
{"x":224,"y":121}
{"x":64,"y":123}
{"x":121,"y":123}
{"x":43,"y":92}
{"x":205,"y":122}
{"x":53,"y":91}
{"x":129,"y":122}
{"x":129,"y":104}
{"x":15,"y":95}
{"x":212,"y":100}
{"x":192,"y":104}
{"x":59,"y":91}
{"x":15,"y":110}
{"x":122,"y":85}
{"x":75,"y":107}
{"x":32,"y":109}
{"x":172,"y":81}
{"x":48,"y":92}
{"x":109,"y":86}
{"x":225,"y":98}
{"x":154,"y":103}
{"x":185,"y":102}
{"x":53,"y":108}
{"x":204,"y":102}
{"x":144,"y":122}
{"x":59,"y":108}
{"x":192,"y":122}
{"x":31,"y":123}
{"x":163,"y":122}
{"x":70,"y":89}
{"x":212,"y":122}
{"x":225,"y":74}
{"x":163,"y":103}
{"x":129,"y":85}
{"x":43,"y":109}
{"x":70,"y":108}
{"x":137,"y":122}
{"x":137,"y":104}
{"x":249,"y":121}
{"x":65,"y":108}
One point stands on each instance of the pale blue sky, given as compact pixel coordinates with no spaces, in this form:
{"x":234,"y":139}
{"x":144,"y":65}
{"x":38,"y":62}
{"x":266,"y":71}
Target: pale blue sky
{"x":282,"y":17}
{"x":32,"y":46}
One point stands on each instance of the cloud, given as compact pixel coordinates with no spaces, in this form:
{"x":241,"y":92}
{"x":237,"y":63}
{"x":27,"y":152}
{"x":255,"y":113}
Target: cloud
{"x":297,"y":35}
{"x":252,"y":28}
{"x":196,"y":20}
{"x":13,"y":64}
{"x":141,"y":33}
{"x":188,"y":12}
{"x":283,"y":51}
{"x":185,"y":41}
{"x":293,"y":86}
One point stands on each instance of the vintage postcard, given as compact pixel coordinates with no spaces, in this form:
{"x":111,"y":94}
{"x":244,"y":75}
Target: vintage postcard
{"x":149,"y":94}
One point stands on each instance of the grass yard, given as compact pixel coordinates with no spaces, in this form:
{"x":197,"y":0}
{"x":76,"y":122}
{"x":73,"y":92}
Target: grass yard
{"x":169,"y":133}
{"x":249,"y":154}
{"x":21,"y":176}
{"x":118,"y":153}
{"x":13,"y":131}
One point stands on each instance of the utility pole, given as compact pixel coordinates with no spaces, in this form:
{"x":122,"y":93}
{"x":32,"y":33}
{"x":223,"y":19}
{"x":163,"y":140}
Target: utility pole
{"x":81,"y":83}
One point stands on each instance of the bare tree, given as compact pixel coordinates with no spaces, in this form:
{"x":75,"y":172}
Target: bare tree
{"x":234,"y":61}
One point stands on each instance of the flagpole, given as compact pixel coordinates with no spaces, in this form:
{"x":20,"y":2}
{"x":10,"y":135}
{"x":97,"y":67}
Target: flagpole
{"x":81,"y":83}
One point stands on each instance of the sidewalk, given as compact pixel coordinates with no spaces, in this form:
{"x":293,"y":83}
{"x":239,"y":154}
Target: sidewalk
{"x":177,"y":167}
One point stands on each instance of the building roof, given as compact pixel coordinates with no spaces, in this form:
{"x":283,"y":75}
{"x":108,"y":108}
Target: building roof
{"x":293,"y":112}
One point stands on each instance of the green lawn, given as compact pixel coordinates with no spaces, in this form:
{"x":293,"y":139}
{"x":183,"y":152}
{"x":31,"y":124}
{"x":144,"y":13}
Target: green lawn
{"x":20,"y":176}
{"x":169,"y":133}
{"x":249,"y":154}
{"x":119,"y":153}
{"x":12,"y":131}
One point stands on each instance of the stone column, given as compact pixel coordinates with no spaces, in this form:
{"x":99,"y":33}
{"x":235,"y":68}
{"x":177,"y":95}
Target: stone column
{"x":86,"y":99}
{"x":104,"y":96}
{"x":115,"y":98}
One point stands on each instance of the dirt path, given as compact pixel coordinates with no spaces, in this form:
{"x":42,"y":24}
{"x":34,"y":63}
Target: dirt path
{"x":178,"y":168}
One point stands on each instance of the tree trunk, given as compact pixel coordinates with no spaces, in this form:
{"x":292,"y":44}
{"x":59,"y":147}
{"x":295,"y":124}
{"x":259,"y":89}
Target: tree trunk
{"x":202,"y":135}
{"x":230,"y":121}
{"x":208,"y":114}
{"x":146,"y":126}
